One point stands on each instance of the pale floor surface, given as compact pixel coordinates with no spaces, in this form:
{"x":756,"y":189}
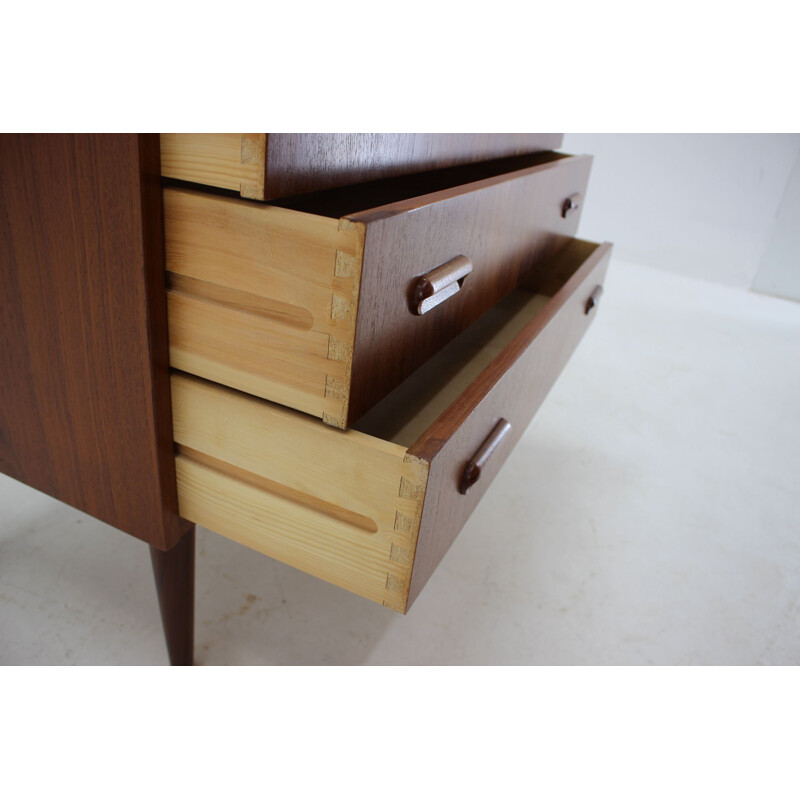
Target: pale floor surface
{"x":649,"y":515}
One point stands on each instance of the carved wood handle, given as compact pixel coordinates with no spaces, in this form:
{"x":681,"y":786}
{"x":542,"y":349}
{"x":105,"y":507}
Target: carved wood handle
{"x":572,"y":203}
{"x":594,"y":299}
{"x":434,"y":288}
{"x":473,"y":469}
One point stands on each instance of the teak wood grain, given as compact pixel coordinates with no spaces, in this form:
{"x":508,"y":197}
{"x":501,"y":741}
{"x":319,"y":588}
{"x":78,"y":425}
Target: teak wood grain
{"x":312,"y":308}
{"x":506,"y":227}
{"x":85,"y":410}
{"x":371,"y":510}
{"x":262,"y":166}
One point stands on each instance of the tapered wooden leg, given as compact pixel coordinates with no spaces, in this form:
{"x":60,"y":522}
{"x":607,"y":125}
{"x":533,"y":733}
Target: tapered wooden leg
{"x":174,"y":574}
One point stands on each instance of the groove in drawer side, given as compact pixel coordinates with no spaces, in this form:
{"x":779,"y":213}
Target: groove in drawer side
{"x":263,"y":299}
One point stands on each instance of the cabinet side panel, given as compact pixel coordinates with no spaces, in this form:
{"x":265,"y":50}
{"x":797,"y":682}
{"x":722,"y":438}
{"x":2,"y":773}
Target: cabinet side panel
{"x":84,"y":386}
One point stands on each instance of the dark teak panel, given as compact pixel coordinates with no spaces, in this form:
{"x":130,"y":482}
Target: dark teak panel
{"x":84,"y":387}
{"x":506,"y":225}
{"x":309,"y":162}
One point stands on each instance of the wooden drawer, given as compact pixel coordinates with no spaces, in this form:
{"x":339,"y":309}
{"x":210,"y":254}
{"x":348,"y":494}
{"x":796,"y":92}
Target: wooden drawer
{"x":374,"y":509}
{"x":262,"y":166}
{"x":312,"y":306}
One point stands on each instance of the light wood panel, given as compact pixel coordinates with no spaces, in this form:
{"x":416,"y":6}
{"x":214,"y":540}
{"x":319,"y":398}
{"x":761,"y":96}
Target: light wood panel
{"x":234,"y":161}
{"x":263,"y":299}
{"x":338,"y":504}
{"x":294,"y":534}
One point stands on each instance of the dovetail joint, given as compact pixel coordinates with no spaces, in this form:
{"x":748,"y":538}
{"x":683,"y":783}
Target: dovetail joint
{"x":408,"y":514}
{"x":340,"y":348}
{"x":253,"y":155}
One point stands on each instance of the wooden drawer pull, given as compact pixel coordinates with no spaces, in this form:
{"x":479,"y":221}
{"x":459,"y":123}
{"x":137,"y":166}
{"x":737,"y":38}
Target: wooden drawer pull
{"x":473,"y":469}
{"x":594,"y":299}
{"x":434,"y":288}
{"x":571,"y":204}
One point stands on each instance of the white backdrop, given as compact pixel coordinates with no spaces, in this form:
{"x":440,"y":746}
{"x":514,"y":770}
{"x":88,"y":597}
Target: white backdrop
{"x":698,"y":204}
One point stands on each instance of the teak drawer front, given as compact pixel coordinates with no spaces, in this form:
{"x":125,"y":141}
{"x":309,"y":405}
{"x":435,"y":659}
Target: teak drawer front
{"x":374,"y":510}
{"x":315,"y":311}
{"x":262,"y":166}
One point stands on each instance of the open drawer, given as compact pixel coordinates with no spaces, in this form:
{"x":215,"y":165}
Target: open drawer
{"x":267,"y":165}
{"x":374,"y":509}
{"x":329,"y":301}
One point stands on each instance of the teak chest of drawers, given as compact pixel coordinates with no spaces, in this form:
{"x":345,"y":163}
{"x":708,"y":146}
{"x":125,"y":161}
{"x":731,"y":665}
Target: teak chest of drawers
{"x":359,"y":329}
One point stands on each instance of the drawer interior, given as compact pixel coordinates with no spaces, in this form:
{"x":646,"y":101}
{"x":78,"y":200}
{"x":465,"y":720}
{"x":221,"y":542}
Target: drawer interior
{"x":347,"y":200}
{"x":404,"y":415}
